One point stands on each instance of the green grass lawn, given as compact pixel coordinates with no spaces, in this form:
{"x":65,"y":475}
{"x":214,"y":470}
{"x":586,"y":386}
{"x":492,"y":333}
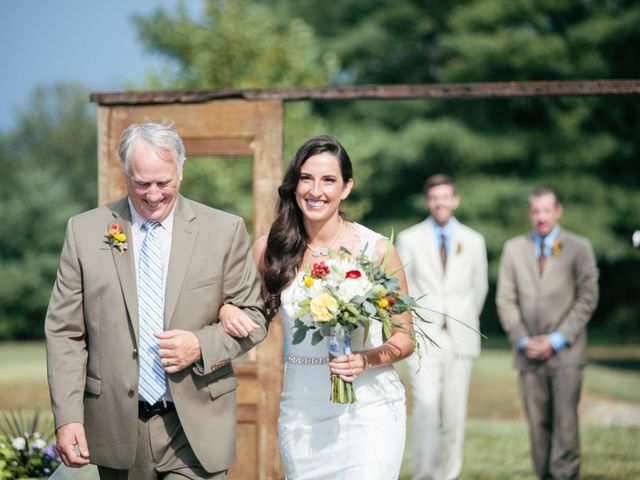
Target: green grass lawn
{"x":23,"y":376}
{"x":497,"y":444}
{"x":497,"y":441}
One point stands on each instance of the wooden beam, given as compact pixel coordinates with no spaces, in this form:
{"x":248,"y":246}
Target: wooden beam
{"x":382,"y":92}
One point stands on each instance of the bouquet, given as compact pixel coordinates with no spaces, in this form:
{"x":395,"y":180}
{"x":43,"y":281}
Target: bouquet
{"x":24,"y":451}
{"x":344,"y":293}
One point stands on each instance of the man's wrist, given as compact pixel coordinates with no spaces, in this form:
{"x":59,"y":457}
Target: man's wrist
{"x":557,"y":341}
{"x":522,"y":342}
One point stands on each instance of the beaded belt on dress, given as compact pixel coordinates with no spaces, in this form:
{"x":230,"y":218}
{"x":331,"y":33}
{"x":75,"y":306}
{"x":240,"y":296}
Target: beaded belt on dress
{"x":307,"y":360}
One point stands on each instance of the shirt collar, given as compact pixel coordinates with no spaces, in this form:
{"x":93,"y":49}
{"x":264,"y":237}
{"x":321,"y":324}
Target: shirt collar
{"x":447,"y":230}
{"x":137,"y":221}
{"x":548,"y":240}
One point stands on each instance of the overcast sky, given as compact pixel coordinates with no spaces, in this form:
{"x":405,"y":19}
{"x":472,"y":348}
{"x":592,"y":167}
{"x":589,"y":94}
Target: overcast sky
{"x":93,"y":42}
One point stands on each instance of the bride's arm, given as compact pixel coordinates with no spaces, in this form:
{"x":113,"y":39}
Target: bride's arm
{"x":234,"y":320}
{"x":399,"y":345}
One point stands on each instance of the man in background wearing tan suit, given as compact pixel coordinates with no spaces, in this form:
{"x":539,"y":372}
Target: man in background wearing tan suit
{"x":447,"y":263}
{"x":547,"y":291}
{"x":139,"y":368}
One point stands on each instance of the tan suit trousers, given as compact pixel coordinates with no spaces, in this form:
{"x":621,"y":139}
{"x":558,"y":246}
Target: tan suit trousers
{"x":163,"y":452}
{"x":551,"y":397}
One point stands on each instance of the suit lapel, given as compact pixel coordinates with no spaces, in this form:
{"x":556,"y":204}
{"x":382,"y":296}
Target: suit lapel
{"x":551,"y":260}
{"x":456,"y":247}
{"x":124,"y":263}
{"x":431,"y":251}
{"x":531,"y":261}
{"x":183,"y":238}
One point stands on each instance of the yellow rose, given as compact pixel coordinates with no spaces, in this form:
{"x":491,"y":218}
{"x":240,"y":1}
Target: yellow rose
{"x":383,"y":303}
{"x":308,"y":281}
{"x":120,"y":237}
{"x":322,"y":307}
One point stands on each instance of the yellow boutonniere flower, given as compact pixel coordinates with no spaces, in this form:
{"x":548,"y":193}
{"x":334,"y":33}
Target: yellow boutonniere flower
{"x":115,"y":238}
{"x":458,"y":248}
{"x":556,"y":247}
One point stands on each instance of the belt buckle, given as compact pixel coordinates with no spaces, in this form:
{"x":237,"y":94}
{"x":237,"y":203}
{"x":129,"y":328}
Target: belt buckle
{"x":146,"y":410}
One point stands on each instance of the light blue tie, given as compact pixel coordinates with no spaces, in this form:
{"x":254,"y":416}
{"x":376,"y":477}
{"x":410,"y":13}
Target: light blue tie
{"x":151,"y":313}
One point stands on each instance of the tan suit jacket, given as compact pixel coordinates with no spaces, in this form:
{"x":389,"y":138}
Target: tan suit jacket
{"x":92,"y":330}
{"x":458,"y":291}
{"x":562,"y":299}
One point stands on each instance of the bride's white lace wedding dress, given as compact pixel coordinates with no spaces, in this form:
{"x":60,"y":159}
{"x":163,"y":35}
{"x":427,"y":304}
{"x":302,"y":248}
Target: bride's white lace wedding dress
{"x":322,"y":440}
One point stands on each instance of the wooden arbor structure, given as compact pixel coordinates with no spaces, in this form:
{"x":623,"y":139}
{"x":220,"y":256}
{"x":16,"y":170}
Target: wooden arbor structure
{"x":250,"y":123}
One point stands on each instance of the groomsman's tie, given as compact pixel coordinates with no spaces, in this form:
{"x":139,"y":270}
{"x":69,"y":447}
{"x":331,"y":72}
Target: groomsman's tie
{"x":443,"y":251}
{"x":541,"y":257}
{"x":151,"y":313}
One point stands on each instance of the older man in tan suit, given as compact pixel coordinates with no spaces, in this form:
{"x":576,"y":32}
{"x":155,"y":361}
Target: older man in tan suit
{"x":139,"y":368}
{"x":547,"y":292}
{"x":446,"y":263}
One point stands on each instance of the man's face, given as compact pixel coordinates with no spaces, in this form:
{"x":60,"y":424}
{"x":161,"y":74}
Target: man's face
{"x":544,"y":212}
{"x":441,"y":201}
{"x":153,"y":181}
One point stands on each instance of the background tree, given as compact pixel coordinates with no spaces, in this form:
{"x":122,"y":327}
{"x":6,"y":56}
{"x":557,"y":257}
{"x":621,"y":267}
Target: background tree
{"x":497,"y":150}
{"x":587,"y":147}
{"x":235,"y":44}
{"x":49,"y":161}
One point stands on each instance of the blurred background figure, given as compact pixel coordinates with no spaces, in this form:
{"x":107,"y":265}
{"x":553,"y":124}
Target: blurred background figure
{"x":447,"y":263}
{"x":547,"y":291}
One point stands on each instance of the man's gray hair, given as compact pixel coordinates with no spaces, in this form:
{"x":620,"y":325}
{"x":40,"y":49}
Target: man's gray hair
{"x":160,"y":136}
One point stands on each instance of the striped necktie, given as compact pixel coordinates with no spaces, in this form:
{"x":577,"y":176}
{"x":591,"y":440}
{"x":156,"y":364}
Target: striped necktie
{"x":443,"y":251}
{"x":151,"y":313}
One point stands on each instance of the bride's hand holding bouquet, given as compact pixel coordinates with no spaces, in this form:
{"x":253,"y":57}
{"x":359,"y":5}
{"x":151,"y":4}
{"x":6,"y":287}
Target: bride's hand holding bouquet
{"x":333,"y":297}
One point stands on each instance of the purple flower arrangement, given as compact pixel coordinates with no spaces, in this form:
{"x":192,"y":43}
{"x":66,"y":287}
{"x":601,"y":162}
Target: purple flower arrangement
{"x":25,"y":451}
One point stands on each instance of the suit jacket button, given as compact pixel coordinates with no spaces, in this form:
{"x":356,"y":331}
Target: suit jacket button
{"x":134,"y":354}
{"x":132,"y":391}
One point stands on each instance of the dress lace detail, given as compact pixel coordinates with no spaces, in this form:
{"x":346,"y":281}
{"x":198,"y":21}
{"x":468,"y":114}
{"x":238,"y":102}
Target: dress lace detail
{"x":322,"y":440}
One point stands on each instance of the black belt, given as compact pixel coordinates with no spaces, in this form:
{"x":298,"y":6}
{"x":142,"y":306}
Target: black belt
{"x":147,"y":410}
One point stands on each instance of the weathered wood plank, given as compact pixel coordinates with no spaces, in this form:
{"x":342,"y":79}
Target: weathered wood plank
{"x":382,"y":92}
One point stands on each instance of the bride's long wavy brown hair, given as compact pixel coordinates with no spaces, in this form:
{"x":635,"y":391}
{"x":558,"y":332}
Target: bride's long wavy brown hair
{"x":287,"y":238}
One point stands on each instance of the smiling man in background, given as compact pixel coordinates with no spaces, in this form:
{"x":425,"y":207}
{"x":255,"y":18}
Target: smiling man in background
{"x":446,"y":265}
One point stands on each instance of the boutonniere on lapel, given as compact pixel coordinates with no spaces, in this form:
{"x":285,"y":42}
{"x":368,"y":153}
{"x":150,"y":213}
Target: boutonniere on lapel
{"x":459,"y":248}
{"x":556,"y":247}
{"x":115,"y":238}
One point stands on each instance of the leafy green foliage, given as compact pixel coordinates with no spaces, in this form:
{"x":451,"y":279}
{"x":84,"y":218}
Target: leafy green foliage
{"x":51,"y":160}
{"x":34,"y":218}
{"x":222,"y":182}
{"x":236,"y":44}
{"x":496,"y":150}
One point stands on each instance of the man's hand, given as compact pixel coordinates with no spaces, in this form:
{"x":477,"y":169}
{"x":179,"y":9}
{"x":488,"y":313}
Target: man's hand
{"x":178,"y":349}
{"x":236,"y":322}
{"x":538,"y":348}
{"x":71,"y":444}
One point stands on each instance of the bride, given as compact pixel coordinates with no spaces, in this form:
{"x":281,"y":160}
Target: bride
{"x":320,"y":439}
